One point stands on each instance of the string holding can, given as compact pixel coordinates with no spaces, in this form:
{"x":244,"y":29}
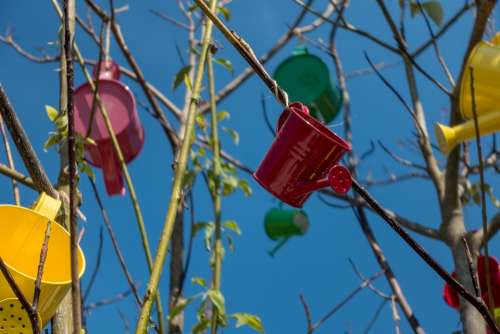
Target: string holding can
{"x":280,"y":94}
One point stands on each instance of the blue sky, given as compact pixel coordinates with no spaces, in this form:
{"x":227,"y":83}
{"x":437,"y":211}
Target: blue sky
{"x":316,"y":264}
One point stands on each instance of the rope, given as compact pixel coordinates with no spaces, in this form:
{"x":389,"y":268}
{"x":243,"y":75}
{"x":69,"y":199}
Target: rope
{"x":280,"y":94}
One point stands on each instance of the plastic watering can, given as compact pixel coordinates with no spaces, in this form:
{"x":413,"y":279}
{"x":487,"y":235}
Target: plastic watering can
{"x":451,"y":296}
{"x":121,"y":108}
{"x":22,"y":232}
{"x":306,"y":78}
{"x":303,"y":158}
{"x":485,"y":61}
{"x":282,"y":224}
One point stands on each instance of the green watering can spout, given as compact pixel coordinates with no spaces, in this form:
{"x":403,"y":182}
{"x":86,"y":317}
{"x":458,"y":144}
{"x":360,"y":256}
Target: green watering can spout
{"x":276,"y":248}
{"x":282,"y":224}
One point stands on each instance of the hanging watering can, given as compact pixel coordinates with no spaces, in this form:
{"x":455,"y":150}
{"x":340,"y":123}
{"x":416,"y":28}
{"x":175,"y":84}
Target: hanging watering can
{"x":303,"y":158}
{"x":306,"y":78}
{"x":282,"y":224}
{"x":22,"y":232}
{"x":485,"y":61}
{"x":121,"y":108}
{"x":451,"y":296}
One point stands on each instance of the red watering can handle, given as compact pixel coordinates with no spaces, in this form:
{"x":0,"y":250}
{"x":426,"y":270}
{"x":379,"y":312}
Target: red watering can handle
{"x":284,"y":115}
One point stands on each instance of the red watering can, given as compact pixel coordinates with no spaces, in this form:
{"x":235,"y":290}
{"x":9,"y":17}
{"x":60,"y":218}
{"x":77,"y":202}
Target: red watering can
{"x":451,"y":296}
{"x":303,"y":158}
{"x":120,"y":105}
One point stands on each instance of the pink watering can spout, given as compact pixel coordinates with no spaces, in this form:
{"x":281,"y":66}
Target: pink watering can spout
{"x":113,"y":179}
{"x":303,"y":158}
{"x":120,"y":106}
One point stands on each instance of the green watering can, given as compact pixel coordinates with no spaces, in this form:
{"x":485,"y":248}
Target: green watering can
{"x":306,"y":78}
{"x":282,"y":224}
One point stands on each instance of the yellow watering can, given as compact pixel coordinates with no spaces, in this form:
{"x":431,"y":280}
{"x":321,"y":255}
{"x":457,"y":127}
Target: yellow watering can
{"x":485,"y":61}
{"x":22,"y":233}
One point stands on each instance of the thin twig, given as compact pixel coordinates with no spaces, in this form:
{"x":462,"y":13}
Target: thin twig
{"x":375,"y":316}
{"x":484,"y":217}
{"x":35,"y":325}
{"x":18,"y":135}
{"x":69,"y":15}
{"x":114,"y":242}
{"x":307,"y":311}
{"x":107,"y":301}
{"x":457,"y":286}
{"x":170,"y":19}
{"x":246,"y":52}
{"x":177,"y":186}
{"x":473,"y":275}
{"x":97,"y":266}
{"x":41,"y":264}
{"x":115,"y":28}
{"x":346,"y":299}
{"x":10,"y":161}
{"x":15,"y":175}
{"x":440,"y":58}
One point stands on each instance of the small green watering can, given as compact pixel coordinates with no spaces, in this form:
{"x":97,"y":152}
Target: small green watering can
{"x":282,"y":224}
{"x":306,"y":78}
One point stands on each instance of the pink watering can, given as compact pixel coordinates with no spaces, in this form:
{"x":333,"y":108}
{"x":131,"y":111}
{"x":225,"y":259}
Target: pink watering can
{"x":120,"y":105}
{"x":303,"y":158}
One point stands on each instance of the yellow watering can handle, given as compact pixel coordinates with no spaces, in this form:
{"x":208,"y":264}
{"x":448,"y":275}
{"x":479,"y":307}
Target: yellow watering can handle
{"x":47,"y":206}
{"x":496,"y":39}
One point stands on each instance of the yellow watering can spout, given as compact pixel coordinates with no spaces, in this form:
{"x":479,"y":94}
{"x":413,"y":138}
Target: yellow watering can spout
{"x":484,"y":60}
{"x":22,"y":232}
{"x":449,"y":137}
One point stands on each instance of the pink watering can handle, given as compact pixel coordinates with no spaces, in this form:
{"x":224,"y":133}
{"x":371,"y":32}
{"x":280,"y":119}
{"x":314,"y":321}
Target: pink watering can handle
{"x":284,"y":114}
{"x":111,"y":171}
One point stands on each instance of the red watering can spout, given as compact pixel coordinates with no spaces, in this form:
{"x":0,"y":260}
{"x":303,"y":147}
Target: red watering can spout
{"x":303,"y":158}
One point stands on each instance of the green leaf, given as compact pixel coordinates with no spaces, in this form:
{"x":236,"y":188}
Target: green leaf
{"x":250,"y":320}
{"x":198,"y":227}
{"x":188,"y":178}
{"x":243,"y":184}
{"x":233,"y":133}
{"x":90,"y":141}
{"x":52,"y":112}
{"x":199,"y":281}
{"x":475,"y":192}
{"x":233,"y":226}
{"x":85,"y":168}
{"x":225,"y":63}
{"x":209,"y":231}
{"x":222,"y":115}
{"x":180,"y":76}
{"x":229,"y":183}
{"x":433,"y":8}
{"x":230,"y":243}
{"x":217,"y":300}
{"x":181,"y":305}
{"x":201,"y":326}
{"x":200,"y":121}
{"x":225,"y":12}
{"x":54,"y":138}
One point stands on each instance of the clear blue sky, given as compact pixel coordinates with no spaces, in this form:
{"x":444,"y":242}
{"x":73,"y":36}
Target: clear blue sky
{"x":315,"y":265}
